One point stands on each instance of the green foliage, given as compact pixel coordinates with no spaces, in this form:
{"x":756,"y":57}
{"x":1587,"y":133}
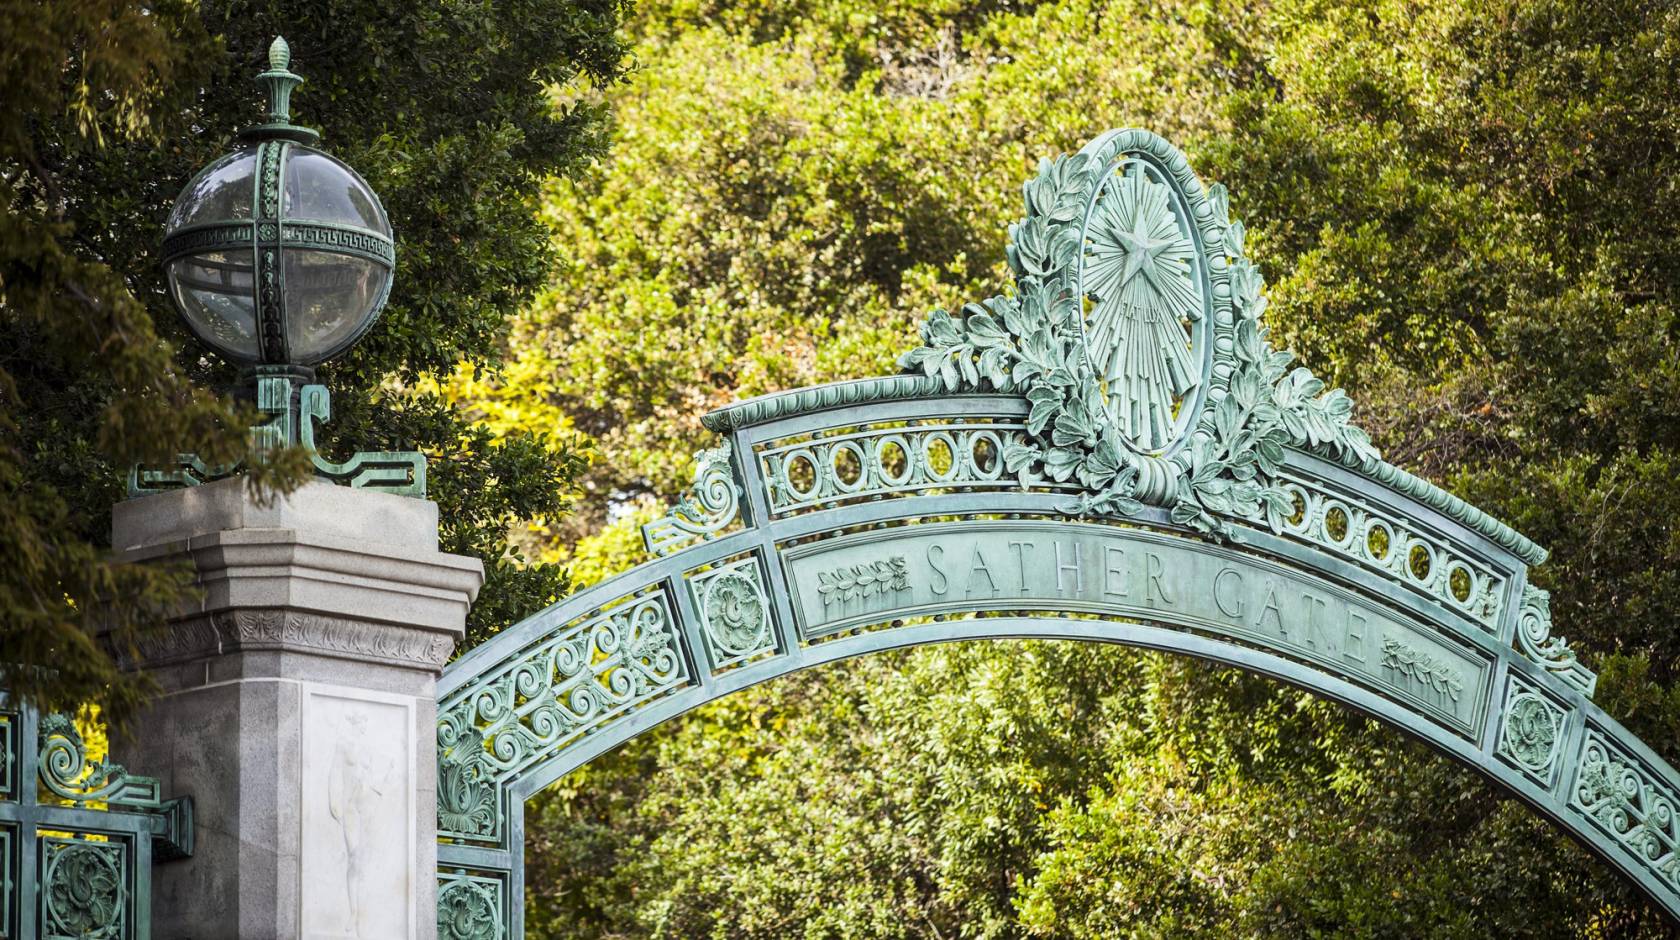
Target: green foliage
{"x":81,"y":81}
{"x":1042,"y":789}
{"x":449,"y":111}
{"x":1465,"y":214}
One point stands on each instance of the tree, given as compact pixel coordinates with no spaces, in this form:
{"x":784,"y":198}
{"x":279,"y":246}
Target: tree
{"x":1465,"y":214}
{"x":82,"y":79}
{"x":453,"y":113}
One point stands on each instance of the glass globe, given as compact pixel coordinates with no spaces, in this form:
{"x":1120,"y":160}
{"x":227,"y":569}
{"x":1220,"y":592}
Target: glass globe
{"x":278,"y":253}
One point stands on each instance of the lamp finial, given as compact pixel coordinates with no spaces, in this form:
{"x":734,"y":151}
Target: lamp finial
{"x":280,"y":80}
{"x":279,"y":54}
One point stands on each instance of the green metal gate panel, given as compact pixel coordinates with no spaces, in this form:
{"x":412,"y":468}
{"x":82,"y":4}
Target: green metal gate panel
{"x":77,"y":837}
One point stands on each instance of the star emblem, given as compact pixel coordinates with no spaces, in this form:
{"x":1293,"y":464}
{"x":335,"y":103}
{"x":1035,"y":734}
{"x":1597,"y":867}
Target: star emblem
{"x":1140,"y":277}
{"x":1142,"y":250}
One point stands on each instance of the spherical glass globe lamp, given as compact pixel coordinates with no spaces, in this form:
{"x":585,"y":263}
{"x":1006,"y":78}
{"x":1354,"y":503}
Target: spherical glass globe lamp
{"x":278,"y":254}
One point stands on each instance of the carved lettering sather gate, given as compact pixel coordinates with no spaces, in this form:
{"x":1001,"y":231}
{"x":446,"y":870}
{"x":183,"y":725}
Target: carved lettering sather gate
{"x":1112,"y":451}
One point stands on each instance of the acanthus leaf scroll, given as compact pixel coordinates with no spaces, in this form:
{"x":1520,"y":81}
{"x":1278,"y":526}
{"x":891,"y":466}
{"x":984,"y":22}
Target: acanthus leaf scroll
{"x":1552,"y":653}
{"x":709,"y":506}
{"x":466,"y":793}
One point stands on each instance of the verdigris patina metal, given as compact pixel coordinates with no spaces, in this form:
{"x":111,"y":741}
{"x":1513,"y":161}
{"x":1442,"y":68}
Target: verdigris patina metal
{"x":1112,"y":451}
{"x":294,"y":410}
{"x":279,"y":256}
{"x":77,"y":836}
{"x":1143,"y":356}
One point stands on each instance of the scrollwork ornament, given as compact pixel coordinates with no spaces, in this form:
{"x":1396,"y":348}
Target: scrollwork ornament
{"x":66,"y":770}
{"x":1534,"y":638}
{"x":554,"y":691}
{"x":83,"y":891}
{"x":1624,"y":800}
{"x":709,"y":506}
{"x":1040,"y":342}
{"x":468,"y":910}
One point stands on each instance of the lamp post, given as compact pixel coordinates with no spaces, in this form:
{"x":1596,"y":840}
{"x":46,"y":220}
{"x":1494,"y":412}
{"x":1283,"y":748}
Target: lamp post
{"x":279,"y":256}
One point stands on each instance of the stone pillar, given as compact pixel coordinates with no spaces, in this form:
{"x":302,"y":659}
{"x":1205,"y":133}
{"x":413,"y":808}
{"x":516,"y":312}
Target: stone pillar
{"x":298,"y":708}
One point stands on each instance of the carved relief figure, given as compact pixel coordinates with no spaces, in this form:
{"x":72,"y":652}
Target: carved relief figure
{"x":359,"y":786}
{"x":1140,"y":278}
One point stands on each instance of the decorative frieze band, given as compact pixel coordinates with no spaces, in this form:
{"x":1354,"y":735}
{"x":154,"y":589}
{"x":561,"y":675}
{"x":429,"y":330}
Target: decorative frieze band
{"x":209,"y":238}
{"x":298,"y":234}
{"x":273,"y":628}
{"x":335,"y":238}
{"x":803,"y":474}
{"x":1388,"y":544}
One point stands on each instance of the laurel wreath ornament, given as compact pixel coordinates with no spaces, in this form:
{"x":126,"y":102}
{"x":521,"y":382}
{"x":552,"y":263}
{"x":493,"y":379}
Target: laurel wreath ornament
{"x":862,"y":581}
{"x":1031,"y":342}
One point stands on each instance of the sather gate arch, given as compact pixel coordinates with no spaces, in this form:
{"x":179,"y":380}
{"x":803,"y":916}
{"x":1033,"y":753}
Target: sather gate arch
{"x":1111,"y":452}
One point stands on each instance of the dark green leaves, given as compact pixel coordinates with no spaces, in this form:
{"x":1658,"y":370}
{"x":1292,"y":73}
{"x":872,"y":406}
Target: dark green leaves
{"x":109,"y":109}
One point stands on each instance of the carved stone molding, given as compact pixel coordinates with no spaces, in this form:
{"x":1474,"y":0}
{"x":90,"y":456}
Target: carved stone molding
{"x":232,"y":631}
{"x":176,"y":641}
{"x":356,"y":639}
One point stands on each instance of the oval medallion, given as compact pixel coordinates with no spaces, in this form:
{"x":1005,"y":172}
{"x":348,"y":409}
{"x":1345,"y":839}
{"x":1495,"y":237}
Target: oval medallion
{"x":1143,"y":277}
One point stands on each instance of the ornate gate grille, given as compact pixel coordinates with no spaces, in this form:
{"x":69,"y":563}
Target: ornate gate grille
{"x":77,"y":836}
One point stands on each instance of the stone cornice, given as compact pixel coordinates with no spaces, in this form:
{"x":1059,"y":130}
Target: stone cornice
{"x":325,"y":572}
{"x":336,"y":578}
